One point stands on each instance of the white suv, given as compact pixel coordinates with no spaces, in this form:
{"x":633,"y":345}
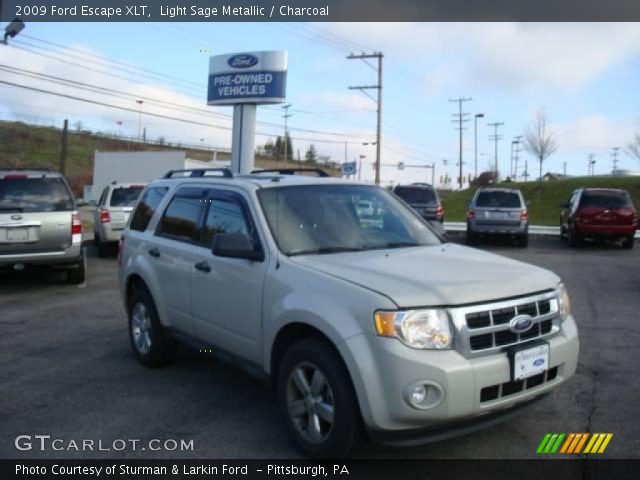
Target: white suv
{"x":362,"y":322}
{"x":112,"y":213}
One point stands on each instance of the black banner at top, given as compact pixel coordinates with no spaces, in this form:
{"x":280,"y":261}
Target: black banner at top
{"x":320,"y":10}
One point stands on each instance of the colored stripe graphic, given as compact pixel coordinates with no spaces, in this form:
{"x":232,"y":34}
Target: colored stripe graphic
{"x":573,"y":443}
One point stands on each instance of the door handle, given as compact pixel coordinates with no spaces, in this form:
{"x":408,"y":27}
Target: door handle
{"x":203,"y":267}
{"x":154,"y":252}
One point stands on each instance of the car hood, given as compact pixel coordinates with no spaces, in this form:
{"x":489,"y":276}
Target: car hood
{"x":440,"y":275}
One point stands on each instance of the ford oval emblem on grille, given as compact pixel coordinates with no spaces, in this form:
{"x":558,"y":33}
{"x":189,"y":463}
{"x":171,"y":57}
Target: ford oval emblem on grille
{"x":521,"y":323}
{"x":242,"y":61}
{"x":16,"y":217}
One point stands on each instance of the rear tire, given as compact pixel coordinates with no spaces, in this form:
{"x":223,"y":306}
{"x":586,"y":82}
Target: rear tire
{"x":523,"y":241}
{"x":103,"y":248}
{"x":628,"y":242}
{"x":471,"y":238}
{"x":77,"y":275}
{"x":148,"y":340}
{"x":325,"y":421}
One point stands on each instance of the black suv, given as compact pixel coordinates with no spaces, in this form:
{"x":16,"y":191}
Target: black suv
{"x":423,"y":198}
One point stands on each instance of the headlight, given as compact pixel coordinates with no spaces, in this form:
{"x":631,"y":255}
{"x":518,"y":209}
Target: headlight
{"x":564,"y":305}
{"x":424,"y":329}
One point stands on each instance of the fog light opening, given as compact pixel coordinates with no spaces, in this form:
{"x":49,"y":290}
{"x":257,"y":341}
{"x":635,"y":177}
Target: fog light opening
{"x":424,"y":395}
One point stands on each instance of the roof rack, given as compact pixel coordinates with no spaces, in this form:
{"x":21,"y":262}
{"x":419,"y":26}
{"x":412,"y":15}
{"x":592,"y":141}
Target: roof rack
{"x":199,"y":172}
{"x":292,"y":171}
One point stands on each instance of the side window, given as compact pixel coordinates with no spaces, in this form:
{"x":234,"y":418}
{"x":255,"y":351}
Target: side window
{"x":225,"y":215}
{"x":181,"y":219}
{"x":146,"y":208}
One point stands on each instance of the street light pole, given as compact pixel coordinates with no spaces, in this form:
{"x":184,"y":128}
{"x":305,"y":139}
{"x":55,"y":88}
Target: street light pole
{"x":475,"y":130}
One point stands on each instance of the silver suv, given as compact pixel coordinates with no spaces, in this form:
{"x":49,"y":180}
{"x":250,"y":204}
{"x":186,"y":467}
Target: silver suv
{"x":39,"y":223}
{"x":498,"y":211}
{"x":112,"y":213}
{"x":364,"y":323}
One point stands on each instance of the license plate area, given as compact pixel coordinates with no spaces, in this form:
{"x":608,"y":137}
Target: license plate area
{"x":529,"y":361}
{"x":17,"y":235}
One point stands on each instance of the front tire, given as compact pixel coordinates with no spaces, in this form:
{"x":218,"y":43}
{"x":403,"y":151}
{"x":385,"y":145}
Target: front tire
{"x":148,"y":340}
{"x":317,"y":400}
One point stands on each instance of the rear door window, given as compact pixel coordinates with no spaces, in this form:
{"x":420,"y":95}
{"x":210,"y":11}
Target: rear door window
{"x":146,"y":208}
{"x":125,"y":196}
{"x":416,"y":195}
{"x":25,"y":195}
{"x":181,"y":219}
{"x":498,"y":200}
{"x":602,"y":199}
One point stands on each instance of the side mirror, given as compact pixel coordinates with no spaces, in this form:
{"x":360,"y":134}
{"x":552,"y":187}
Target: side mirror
{"x":235,"y":245}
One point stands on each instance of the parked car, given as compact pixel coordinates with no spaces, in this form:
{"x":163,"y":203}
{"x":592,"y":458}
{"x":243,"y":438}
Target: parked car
{"x":423,"y":198}
{"x":39,"y":223}
{"x":599,"y":213}
{"x":112,"y":213}
{"x":498,"y":211}
{"x":372,"y":327}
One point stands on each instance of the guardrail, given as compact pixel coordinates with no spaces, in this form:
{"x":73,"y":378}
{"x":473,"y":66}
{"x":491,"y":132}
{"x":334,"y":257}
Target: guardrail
{"x":533,"y":229}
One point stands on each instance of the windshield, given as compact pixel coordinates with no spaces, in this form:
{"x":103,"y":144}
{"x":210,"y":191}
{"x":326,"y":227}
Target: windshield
{"x":605,"y":199}
{"x":25,"y":195}
{"x":335,"y":218}
{"x":498,"y":200}
{"x":416,"y":195}
{"x":125,"y":196}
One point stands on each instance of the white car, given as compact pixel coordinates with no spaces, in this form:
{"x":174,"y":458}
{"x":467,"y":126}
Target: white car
{"x":112,"y":213}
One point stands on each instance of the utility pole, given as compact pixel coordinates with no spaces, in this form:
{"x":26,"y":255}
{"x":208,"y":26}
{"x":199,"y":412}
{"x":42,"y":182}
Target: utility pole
{"x":139,"y":102}
{"x":526,"y":170}
{"x":63,"y":147}
{"x":286,"y":131}
{"x":475,"y":131}
{"x":516,"y":157}
{"x":614,"y":154}
{"x":564,"y":168}
{"x":144,"y":135}
{"x":495,"y":137}
{"x":460,"y":120}
{"x":378,"y":87}
{"x":511,"y":162}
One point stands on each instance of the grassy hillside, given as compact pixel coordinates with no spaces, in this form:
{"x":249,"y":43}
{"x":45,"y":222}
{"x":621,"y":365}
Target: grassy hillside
{"x":23,"y":145}
{"x":544,"y":199}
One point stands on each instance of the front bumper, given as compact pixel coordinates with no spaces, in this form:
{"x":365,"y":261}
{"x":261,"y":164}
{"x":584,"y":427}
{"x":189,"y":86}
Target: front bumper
{"x":382,"y":368}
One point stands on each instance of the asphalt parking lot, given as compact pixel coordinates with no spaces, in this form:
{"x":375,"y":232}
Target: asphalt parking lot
{"x":67,"y":370}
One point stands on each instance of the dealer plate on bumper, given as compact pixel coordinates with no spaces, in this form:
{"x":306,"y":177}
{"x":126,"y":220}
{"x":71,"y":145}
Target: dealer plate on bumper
{"x":530,"y":362}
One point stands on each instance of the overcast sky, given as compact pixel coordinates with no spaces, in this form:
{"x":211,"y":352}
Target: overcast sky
{"x":584,"y":76}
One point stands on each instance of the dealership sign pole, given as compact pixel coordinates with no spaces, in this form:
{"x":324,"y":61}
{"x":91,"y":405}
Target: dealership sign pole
{"x":246,"y":80}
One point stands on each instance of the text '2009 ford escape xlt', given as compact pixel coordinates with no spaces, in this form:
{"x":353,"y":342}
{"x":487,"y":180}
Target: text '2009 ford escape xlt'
{"x":365,"y":322}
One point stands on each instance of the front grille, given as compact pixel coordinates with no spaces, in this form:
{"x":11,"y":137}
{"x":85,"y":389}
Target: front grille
{"x":488,"y":328}
{"x":502,"y":390}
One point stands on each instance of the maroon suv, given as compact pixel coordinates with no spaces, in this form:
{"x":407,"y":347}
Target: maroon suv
{"x":599,"y":213}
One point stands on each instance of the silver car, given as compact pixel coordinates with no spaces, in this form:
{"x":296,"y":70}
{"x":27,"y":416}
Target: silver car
{"x":365,"y":324}
{"x":498,"y":211}
{"x":39,"y":223}
{"x":112,"y":213}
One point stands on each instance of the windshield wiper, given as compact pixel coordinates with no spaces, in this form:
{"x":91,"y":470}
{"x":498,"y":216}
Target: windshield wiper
{"x":322,"y":250}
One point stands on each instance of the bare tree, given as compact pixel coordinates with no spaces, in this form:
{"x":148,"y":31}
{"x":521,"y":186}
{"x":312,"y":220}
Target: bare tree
{"x":540,"y":140}
{"x":633,"y":147}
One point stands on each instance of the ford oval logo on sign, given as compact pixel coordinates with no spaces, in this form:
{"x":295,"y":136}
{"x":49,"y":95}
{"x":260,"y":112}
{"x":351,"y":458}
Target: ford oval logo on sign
{"x":242,"y":61}
{"x":538,"y":362}
{"x":521,"y":323}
